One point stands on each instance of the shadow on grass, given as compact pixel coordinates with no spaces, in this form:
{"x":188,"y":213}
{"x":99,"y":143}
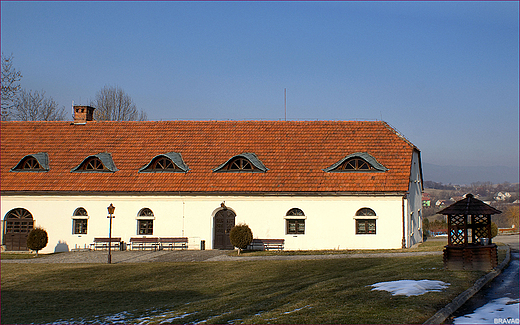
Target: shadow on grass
{"x":79,"y":306}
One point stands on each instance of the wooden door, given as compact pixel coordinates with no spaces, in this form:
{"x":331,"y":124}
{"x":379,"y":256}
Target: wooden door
{"x":17,"y":225}
{"x":223,"y":222}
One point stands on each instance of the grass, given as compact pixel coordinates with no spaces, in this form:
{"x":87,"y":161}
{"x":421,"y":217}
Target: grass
{"x":299,"y":291}
{"x":17,"y":256}
{"x":427,"y":246}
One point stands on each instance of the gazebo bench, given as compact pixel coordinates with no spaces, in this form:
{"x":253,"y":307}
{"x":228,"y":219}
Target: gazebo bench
{"x":143,"y":243}
{"x":266,"y":244}
{"x":173,"y":242}
{"x":103,"y":242}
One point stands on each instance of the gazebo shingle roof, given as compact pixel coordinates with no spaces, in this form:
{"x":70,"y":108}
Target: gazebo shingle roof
{"x":469,"y":206}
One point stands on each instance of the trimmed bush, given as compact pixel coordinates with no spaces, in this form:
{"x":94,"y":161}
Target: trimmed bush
{"x":241,"y":236}
{"x":37,"y":239}
{"x":494,"y":230}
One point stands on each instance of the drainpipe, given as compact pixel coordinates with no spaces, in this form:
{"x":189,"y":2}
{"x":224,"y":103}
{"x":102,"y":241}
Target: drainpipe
{"x":403,"y":242}
{"x":183,"y":203}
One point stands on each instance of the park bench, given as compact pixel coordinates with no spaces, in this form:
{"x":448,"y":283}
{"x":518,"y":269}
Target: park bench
{"x":173,"y":242}
{"x":143,"y":243}
{"x":103,"y":242}
{"x":266,"y":244}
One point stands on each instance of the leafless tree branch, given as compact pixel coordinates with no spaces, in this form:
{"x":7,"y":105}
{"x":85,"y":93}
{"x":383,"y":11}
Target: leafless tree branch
{"x":113,"y":104}
{"x":31,"y":106}
{"x":10,"y":86}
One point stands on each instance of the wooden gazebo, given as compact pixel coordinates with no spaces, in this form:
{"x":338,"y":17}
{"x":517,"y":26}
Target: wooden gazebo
{"x":469,"y":235}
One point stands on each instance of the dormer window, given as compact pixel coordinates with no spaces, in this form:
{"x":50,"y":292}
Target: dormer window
{"x":100,"y":163}
{"x":357,"y":162}
{"x":93,"y":163}
{"x":243,"y":163}
{"x":38,"y":162}
{"x":170,"y":162}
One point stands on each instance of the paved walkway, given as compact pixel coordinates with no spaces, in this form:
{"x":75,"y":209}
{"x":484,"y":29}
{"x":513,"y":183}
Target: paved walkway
{"x":190,"y":256}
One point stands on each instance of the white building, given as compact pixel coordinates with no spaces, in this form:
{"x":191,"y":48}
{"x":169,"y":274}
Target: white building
{"x":317,"y":185}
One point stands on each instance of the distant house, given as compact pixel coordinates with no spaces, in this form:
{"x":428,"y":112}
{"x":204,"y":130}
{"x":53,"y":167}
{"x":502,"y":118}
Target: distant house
{"x":426,"y":200}
{"x":502,"y":196}
{"x":317,"y":185}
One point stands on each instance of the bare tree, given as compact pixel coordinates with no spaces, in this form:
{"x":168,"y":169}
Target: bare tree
{"x":113,"y":104}
{"x":10,"y":86}
{"x":31,"y":106}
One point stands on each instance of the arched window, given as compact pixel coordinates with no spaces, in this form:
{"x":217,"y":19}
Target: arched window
{"x":79,"y":221}
{"x":357,"y":162}
{"x":145,"y":219}
{"x":295,"y":212}
{"x":240,"y":164}
{"x":244,"y":163}
{"x":365,"y":212}
{"x":101,"y":162}
{"x":92,"y":164}
{"x":295,"y":226}
{"x":170,"y":162}
{"x":365,"y":225}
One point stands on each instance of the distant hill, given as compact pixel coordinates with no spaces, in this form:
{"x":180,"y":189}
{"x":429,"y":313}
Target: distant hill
{"x":469,"y":174}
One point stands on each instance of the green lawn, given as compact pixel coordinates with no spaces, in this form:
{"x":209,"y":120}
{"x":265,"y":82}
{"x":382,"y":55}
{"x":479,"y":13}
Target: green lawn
{"x":301,"y":291}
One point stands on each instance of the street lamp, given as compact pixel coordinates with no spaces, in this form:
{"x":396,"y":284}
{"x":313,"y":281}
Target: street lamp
{"x":111,"y":210}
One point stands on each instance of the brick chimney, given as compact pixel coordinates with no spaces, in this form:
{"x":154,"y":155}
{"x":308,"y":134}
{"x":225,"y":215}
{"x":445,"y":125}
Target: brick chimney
{"x":82,"y":114}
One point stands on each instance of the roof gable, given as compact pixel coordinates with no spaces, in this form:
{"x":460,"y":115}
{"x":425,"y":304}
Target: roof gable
{"x":294,"y":152}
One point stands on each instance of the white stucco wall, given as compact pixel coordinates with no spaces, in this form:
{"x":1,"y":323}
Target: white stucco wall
{"x":330,"y":220}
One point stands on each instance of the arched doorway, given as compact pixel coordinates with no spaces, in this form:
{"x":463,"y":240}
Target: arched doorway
{"x":17,"y":225}
{"x":223,"y":221}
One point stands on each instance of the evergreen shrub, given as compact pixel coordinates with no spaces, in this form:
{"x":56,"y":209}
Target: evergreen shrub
{"x":241,"y":236}
{"x":37,"y":239}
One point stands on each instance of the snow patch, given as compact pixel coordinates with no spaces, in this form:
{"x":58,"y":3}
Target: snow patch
{"x":297,"y":309}
{"x":498,"y":311}
{"x":410,"y":287}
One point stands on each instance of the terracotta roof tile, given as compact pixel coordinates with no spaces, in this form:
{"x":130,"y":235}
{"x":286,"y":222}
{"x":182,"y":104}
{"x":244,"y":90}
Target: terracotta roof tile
{"x":294,"y":152}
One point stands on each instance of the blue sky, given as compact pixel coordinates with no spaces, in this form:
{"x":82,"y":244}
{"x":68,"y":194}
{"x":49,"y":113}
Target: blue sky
{"x":445,"y":74}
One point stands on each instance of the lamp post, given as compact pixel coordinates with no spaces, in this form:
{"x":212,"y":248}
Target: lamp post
{"x":111,"y":210}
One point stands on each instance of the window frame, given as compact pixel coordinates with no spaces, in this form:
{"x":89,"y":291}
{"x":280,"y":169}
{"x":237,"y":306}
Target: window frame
{"x":297,"y":224}
{"x":80,"y":215}
{"x":367,"y":224}
{"x":145,"y":227}
{"x":79,"y":226}
{"x":145,"y":218}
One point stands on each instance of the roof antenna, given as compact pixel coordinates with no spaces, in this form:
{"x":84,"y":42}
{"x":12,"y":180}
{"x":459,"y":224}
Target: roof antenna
{"x":73,"y":110}
{"x":285,"y":101}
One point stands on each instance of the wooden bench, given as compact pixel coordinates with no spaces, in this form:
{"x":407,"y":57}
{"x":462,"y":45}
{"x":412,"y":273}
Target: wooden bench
{"x":102,"y":243}
{"x":266,"y":244}
{"x":173,"y":242}
{"x":143,"y":243}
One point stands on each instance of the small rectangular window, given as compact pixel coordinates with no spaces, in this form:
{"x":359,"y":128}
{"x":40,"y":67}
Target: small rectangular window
{"x":145,"y":227}
{"x":365,"y":226}
{"x":295,"y":226}
{"x":80,"y":226}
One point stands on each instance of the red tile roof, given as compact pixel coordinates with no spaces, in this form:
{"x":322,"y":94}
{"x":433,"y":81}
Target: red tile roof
{"x":294,"y":153}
